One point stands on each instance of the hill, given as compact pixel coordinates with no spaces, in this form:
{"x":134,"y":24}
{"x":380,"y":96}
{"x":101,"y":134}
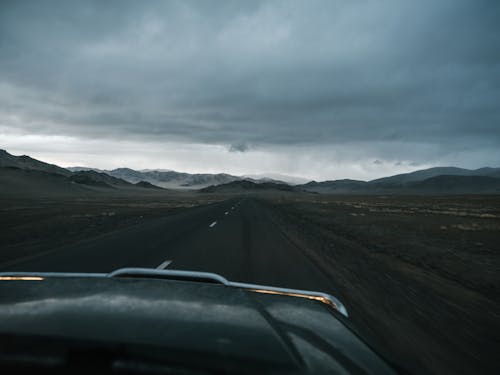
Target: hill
{"x":147,"y":185}
{"x":247,"y":187}
{"x":439,"y":180}
{"x":94,"y":178}
{"x":424,"y":174}
{"x":25,"y":176}
{"x":336,"y":186}
{"x":446,"y":184}
{"x":27,"y":163}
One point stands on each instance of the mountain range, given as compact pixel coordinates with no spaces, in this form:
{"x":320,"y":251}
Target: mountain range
{"x":174,"y":180}
{"x":25,"y":174}
{"x":438,"y":180}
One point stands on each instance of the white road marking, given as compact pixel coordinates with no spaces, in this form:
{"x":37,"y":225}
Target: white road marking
{"x":225,"y":213}
{"x":164,"y":265}
{"x":213,"y":224}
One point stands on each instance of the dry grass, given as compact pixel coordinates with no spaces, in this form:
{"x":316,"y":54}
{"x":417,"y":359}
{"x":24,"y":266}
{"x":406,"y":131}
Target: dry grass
{"x":421,"y":275}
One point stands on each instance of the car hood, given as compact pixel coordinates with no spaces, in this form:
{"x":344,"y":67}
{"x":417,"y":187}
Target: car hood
{"x":190,"y":324}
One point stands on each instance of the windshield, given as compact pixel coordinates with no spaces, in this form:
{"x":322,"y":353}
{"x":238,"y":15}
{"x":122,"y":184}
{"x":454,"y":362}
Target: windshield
{"x":342,"y":147}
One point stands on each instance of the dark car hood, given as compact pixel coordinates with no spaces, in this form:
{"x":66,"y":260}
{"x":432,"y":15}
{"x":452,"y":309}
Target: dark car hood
{"x":190,"y":324}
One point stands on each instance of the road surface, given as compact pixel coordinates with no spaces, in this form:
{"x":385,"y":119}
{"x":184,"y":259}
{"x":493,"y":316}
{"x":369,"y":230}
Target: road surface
{"x":235,"y":238}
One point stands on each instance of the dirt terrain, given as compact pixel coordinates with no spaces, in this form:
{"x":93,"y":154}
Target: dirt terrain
{"x":420,"y":275}
{"x":34,"y":226}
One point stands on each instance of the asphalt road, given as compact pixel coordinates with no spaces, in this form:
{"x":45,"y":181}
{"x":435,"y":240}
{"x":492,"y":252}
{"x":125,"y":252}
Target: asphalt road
{"x":234,"y":238}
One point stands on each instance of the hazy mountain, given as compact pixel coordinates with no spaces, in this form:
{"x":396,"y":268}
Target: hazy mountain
{"x":278,"y":178}
{"x":22,"y":175}
{"x":127,"y":174}
{"x":175,"y":180}
{"x":172,"y":179}
{"x":147,"y":185}
{"x":244,"y":186}
{"x":83,"y":169}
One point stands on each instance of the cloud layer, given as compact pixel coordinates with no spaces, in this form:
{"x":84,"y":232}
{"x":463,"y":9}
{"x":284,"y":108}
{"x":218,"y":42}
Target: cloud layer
{"x":393,"y":78}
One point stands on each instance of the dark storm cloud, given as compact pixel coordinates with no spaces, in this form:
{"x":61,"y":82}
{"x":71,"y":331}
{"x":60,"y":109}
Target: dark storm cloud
{"x":260,"y":73}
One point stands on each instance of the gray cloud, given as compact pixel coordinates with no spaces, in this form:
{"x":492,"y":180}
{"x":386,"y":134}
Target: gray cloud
{"x":238,"y":147}
{"x":273,"y":73}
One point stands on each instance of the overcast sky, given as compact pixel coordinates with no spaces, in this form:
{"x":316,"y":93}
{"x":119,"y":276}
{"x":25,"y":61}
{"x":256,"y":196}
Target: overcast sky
{"x":320,"y":89}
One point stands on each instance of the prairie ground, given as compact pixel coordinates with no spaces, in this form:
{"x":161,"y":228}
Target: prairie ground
{"x":420,"y":275}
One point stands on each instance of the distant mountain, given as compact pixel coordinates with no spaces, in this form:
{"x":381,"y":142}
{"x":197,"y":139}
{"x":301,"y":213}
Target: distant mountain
{"x":172,"y":179}
{"x":127,"y":174}
{"x":433,"y":172}
{"x":336,"y":186}
{"x":244,"y":186}
{"x":440,"y":180}
{"x":25,"y":162}
{"x":276,"y":177}
{"x":487,"y":171}
{"x":83,"y":169}
{"x":446,"y":184}
{"x":94,"y":178}
{"x":22,"y":175}
{"x":175,"y":180}
{"x":25,"y":174}
{"x":147,"y":185}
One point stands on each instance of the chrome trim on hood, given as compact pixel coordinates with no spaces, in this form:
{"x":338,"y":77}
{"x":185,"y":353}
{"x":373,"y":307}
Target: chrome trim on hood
{"x":205,"y":277}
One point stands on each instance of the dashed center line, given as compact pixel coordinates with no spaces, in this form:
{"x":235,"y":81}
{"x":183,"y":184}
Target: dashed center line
{"x":213,"y":224}
{"x":164,"y":265}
